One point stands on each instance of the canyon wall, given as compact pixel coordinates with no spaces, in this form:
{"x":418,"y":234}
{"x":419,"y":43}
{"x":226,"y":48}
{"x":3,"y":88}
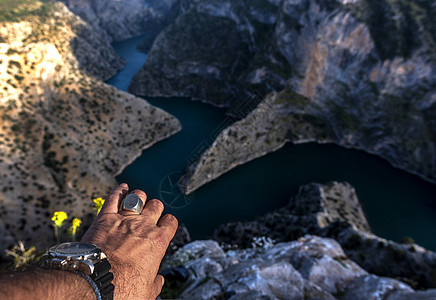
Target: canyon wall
{"x":64,"y":133}
{"x":357,"y":73}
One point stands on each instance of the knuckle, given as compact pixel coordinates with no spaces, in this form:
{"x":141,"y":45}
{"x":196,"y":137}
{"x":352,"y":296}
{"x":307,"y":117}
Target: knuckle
{"x":160,"y":241}
{"x":140,"y":193}
{"x":124,"y":185}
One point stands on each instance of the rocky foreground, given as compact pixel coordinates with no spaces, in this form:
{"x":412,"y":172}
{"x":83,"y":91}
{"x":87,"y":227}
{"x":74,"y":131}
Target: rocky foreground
{"x":311,"y":268}
{"x":319,"y":246}
{"x":64,"y":133}
{"x":359,"y":73}
{"x":334,"y":211}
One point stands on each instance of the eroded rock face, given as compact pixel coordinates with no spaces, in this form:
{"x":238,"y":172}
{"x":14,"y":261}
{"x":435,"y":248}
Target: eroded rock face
{"x":64,"y":134}
{"x":408,"y":262}
{"x":333,"y":210}
{"x":357,"y":73}
{"x":119,"y":20}
{"x":314,"y":208}
{"x":310,"y":268}
{"x":375,"y":288}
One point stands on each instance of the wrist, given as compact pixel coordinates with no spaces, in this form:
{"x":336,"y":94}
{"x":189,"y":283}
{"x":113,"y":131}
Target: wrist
{"x":86,"y":260}
{"x":42,"y":283}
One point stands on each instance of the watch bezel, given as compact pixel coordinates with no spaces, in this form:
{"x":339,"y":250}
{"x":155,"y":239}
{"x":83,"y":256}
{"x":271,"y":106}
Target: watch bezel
{"x":93,"y":254}
{"x":86,"y":254}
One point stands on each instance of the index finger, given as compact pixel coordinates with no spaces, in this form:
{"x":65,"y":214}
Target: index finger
{"x":112,"y":202}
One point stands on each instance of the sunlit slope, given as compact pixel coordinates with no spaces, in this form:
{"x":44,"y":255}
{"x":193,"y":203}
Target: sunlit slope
{"x":64,"y":134}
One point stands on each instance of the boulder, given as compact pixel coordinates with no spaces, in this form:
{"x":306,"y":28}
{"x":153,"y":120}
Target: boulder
{"x":333,"y":210}
{"x":310,"y":268}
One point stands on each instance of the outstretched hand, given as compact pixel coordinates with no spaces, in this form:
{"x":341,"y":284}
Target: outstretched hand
{"x":135,"y":244}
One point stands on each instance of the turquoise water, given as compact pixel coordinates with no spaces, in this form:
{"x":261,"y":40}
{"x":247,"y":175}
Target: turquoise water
{"x":397,"y":204}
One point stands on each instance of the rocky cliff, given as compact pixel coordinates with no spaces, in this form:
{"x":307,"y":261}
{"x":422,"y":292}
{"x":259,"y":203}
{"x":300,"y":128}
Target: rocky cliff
{"x":334,"y":211}
{"x":319,"y":246}
{"x":357,"y":73}
{"x":311,"y":268}
{"x":64,"y":134}
{"x":119,"y":20}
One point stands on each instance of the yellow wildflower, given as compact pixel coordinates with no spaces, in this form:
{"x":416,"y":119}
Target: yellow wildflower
{"x":98,"y":204}
{"x":59,"y":218}
{"x":76,"y":222}
{"x":73,"y":229}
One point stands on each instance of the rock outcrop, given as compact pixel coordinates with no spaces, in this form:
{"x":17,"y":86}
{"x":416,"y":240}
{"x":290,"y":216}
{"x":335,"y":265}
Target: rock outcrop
{"x":119,"y":20}
{"x":310,"y":268}
{"x":64,"y":133}
{"x":280,"y":118}
{"x":334,"y":211}
{"x":358,"y":73}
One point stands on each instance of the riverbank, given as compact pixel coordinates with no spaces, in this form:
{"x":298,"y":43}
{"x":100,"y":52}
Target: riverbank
{"x":397,"y":204}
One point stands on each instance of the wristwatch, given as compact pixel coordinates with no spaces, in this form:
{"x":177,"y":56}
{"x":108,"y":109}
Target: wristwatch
{"x":88,"y":261}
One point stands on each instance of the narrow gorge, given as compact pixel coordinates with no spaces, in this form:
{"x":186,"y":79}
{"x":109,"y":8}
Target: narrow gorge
{"x":343,"y":72}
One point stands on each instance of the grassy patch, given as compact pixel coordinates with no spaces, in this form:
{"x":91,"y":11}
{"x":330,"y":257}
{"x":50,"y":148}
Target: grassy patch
{"x":344,"y":118}
{"x":289,"y":96}
{"x":17,"y":10}
{"x":264,"y":5}
{"x":400,"y":110}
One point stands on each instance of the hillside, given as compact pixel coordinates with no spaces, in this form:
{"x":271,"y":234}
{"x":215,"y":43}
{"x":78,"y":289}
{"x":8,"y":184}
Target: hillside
{"x":64,"y":133}
{"x":119,"y":20}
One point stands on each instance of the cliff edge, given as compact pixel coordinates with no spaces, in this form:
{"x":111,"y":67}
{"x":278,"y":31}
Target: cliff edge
{"x":64,"y":133}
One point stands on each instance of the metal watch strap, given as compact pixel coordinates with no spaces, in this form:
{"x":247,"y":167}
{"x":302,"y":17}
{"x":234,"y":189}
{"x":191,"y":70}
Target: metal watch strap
{"x":103,"y":279}
{"x":91,"y":282}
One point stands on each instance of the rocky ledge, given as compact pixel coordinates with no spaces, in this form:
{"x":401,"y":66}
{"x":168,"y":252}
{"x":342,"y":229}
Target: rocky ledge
{"x":361,"y":74}
{"x":64,"y":133}
{"x":334,"y":211}
{"x":310,"y":268}
{"x":319,"y":246}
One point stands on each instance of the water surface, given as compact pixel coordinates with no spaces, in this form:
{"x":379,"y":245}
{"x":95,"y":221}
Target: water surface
{"x":397,"y":204}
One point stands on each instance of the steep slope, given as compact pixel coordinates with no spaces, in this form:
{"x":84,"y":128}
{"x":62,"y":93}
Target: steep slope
{"x":357,"y":73}
{"x":64,"y":134}
{"x":119,"y":20}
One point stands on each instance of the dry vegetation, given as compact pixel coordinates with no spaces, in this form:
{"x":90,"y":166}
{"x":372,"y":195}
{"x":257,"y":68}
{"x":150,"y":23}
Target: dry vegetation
{"x":64,"y":134}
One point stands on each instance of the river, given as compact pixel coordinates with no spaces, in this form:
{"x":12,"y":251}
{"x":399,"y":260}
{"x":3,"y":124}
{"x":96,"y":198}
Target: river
{"x":396,"y":203}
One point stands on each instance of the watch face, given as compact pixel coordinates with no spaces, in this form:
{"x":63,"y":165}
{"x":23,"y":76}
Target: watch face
{"x":73,"y":248}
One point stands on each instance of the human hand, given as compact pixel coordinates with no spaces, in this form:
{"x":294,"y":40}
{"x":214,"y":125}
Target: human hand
{"x":134,"y":244}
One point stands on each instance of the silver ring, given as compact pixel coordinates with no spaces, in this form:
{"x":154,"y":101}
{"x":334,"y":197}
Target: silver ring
{"x":132,"y":203}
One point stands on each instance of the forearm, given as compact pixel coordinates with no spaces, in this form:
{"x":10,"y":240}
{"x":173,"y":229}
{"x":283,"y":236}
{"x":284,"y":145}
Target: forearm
{"x":44,"y":284}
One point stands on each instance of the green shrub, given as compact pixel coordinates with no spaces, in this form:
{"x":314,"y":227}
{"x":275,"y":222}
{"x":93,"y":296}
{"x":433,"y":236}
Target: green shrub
{"x":23,"y":257}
